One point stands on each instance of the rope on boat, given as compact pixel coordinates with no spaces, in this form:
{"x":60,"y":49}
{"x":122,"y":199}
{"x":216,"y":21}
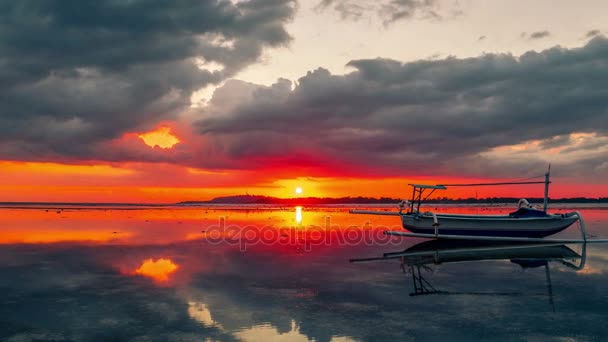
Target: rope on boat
{"x":374,"y":212}
{"x":527,"y":179}
{"x":500,"y":183}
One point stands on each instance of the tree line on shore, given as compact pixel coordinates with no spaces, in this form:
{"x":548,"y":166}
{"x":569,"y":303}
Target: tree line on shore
{"x":256,"y":199}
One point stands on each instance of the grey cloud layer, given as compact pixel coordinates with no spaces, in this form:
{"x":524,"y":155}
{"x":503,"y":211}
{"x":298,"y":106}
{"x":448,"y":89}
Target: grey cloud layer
{"x":429,"y":114}
{"x":88,"y":71}
{"x":539,"y":34}
{"x":389,"y":11}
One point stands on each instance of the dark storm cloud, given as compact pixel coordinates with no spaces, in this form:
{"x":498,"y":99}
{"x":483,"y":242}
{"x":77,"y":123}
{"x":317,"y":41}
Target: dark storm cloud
{"x":389,"y":11}
{"x":539,"y":34}
{"x":424,"y":114}
{"x":88,"y":71}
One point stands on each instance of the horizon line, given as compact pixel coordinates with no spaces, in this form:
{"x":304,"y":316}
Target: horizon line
{"x":279,"y":199}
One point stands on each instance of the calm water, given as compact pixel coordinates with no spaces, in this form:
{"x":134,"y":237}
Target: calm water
{"x":285,"y":274}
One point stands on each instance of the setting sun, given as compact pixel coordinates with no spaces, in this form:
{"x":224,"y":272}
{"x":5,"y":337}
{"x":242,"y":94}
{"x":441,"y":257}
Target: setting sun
{"x":298,"y":190}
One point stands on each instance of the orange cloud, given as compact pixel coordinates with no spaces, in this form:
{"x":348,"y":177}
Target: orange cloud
{"x":48,"y":168}
{"x":161,"y":137}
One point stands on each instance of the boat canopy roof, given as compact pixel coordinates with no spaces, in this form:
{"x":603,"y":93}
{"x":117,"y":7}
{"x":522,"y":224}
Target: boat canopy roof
{"x":423,"y":186}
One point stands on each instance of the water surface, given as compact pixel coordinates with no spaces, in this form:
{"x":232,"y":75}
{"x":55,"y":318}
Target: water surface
{"x":259,"y":274}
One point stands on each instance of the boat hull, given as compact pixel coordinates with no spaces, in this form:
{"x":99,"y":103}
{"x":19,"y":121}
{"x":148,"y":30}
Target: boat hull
{"x":504,"y":226}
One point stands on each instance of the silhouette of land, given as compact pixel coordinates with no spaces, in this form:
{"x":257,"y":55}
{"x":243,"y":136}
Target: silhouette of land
{"x":255,"y":199}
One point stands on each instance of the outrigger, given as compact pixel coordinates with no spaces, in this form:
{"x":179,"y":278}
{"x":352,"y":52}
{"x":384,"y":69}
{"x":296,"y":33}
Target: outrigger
{"x":525,"y":224}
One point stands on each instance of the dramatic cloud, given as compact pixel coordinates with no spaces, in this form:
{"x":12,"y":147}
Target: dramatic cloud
{"x":88,"y":71}
{"x":388,"y":11}
{"x":82,"y":87}
{"x":439,"y":115}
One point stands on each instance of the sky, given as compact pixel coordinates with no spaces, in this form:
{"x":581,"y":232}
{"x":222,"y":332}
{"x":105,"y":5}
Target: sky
{"x":167,"y":101}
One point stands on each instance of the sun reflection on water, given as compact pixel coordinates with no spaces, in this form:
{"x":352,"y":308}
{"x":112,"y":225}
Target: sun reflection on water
{"x":299,"y":215}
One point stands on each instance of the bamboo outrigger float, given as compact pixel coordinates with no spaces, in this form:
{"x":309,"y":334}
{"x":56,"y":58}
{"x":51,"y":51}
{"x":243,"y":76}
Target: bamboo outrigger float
{"x":525,"y":224}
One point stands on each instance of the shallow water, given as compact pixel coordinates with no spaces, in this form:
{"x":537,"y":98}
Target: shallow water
{"x":258,"y":274}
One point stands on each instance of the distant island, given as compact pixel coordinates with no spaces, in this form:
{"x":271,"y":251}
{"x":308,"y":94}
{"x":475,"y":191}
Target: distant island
{"x":256,"y":199}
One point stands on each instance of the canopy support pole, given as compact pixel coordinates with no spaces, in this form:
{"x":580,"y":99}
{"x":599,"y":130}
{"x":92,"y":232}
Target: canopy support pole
{"x":546,"y":200}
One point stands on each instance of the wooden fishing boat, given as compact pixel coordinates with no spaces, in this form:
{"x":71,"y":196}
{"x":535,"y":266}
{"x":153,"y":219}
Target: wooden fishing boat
{"x":525,"y":222}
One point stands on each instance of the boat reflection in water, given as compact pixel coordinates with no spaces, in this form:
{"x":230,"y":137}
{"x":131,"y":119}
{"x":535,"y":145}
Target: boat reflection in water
{"x":418,"y":258}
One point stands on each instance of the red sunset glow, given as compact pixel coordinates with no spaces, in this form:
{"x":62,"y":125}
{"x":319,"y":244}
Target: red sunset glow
{"x":173,"y":178}
{"x":167,"y":183}
{"x":172,"y":163}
